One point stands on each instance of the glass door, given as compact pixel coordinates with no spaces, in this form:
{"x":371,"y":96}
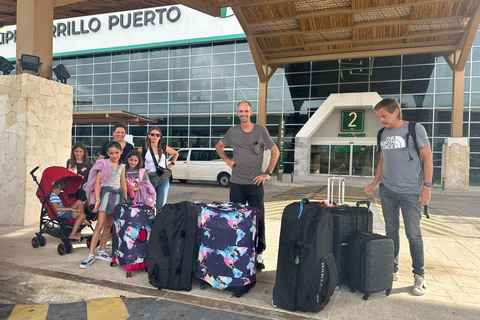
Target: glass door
{"x":362,"y":160}
{"x":340,"y":159}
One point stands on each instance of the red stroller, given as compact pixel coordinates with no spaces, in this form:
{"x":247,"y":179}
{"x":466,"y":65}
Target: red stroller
{"x":50,"y":222}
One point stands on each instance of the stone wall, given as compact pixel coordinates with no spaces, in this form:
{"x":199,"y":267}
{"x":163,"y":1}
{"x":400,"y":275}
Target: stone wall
{"x":456,"y":163}
{"x":35,"y":130}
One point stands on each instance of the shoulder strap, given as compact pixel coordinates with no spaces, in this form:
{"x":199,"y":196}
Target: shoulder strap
{"x":153,"y":157}
{"x":379,"y":137}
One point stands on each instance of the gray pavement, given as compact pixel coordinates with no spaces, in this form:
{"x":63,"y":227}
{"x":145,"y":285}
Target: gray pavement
{"x":452,"y":251}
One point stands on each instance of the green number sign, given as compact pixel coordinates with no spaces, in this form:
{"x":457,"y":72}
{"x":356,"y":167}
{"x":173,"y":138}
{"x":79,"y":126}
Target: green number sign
{"x":352,"y":120}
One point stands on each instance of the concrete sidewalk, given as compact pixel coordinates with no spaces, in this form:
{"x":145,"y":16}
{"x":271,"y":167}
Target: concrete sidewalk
{"x":29,"y":275}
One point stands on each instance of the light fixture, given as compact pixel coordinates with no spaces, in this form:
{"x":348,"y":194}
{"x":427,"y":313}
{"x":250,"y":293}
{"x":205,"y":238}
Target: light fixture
{"x":30,"y":64}
{"x":5,"y":66}
{"x":62,"y":73}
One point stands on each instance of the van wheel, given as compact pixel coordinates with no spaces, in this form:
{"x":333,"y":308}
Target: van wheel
{"x":182,"y":180}
{"x":224,"y":179}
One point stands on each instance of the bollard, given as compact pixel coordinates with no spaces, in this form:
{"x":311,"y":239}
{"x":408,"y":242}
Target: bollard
{"x":443,"y":183}
{"x":291,"y":177}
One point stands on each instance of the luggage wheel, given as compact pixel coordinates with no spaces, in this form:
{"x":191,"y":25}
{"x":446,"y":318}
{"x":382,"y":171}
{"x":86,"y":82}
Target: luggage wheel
{"x":387,"y":293}
{"x":202,"y":286}
{"x":337,"y":287}
{"x":365,"y":296}
{"x":129,"y":274}
{"x":113,"y":264}
{"x":352,"y":290}
{"x":273,"y":304}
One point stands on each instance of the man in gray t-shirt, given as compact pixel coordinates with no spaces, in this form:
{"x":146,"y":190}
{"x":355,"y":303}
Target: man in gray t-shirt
{"x":249,"y":141}
{"x":405,"y":178}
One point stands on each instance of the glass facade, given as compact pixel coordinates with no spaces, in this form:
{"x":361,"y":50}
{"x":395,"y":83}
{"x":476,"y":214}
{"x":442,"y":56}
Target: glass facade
{"x":192,"y":92}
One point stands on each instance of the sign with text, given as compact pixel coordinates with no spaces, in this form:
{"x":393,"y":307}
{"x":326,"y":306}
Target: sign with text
{"x":353,"y":120}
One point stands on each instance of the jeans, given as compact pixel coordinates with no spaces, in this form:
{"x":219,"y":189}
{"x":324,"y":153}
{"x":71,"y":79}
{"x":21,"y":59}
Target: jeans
{"x":391,"y":204}
{"x":253,"y":194}
{"x":161,"y":188}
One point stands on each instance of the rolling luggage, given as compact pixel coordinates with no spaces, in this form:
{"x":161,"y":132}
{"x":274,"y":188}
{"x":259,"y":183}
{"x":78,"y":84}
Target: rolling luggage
{"x":344,"y":225}
{"x":226,"y":257}
{"x":306,"y":270}
{"x":370,"y":262}
{"x":172,"y":247}
{"x":132,"y":227}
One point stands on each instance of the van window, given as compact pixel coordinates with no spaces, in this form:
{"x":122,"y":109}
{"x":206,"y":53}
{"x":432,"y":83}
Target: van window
{"x":182,"y":155}
{"x":201,"y":155}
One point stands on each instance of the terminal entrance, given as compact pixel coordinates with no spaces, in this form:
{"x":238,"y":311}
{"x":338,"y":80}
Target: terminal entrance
{"x":342,"y":159}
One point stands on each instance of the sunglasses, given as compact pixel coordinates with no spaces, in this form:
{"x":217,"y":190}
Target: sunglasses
{"x":155,"y":135}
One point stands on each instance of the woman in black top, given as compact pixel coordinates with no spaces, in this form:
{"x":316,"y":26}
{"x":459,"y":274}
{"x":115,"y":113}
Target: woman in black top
{"x":119,"y":131}
{"x":79,"y":164}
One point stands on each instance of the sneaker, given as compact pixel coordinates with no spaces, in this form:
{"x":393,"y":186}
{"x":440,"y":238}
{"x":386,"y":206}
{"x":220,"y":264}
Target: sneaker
{"x":396,"y":276}
{"x":260,"y":265}
{"x":102,"y":255}
{"x":419,"y":286}
{"x":87,"y":261}
{"x":108,"y":245}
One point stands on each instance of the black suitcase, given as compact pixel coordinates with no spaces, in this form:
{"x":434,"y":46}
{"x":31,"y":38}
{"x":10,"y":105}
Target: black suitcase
{"x":173,"y":246}
{"x":306,"y":271}
{"x":344,"y":221}
{"x":370,"y":262}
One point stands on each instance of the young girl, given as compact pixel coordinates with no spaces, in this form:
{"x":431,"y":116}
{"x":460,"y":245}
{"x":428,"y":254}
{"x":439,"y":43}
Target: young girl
{"x":134,"y":173}
{"x":107,"y":188}
{"x":79,"y":164}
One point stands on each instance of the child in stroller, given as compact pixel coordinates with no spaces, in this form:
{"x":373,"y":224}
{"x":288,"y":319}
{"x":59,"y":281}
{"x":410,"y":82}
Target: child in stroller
{"x":50,"y":220}
{"x":75,"y":211}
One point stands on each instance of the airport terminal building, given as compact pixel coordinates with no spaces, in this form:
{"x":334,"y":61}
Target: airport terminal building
{"x":188,"y":70}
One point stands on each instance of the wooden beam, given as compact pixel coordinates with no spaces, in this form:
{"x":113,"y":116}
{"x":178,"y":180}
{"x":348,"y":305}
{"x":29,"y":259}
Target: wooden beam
{"x":381,"y":47}
{"x":61,"y":3}
{"x":450,"y":61}
{"x":368,"y":52}
{"x":202,"y":6}
{"x":271,"y":72}
{"x":466,"y":42}
{"x":258,"y":57}
{"x":458,"y":91}
{"x":348,"y":41}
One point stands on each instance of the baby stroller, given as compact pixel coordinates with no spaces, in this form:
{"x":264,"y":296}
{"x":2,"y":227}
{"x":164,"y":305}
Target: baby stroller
{"x":50,"y":222}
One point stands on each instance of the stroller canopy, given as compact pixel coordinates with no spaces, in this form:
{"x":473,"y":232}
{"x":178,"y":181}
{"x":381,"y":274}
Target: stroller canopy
{"x":52,"y":174}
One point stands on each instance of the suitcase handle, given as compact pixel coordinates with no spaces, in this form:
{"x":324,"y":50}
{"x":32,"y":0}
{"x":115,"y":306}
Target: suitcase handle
{"x":359,"y":203}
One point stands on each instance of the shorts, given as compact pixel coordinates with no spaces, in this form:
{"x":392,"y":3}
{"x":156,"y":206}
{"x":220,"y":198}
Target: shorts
{"x":66,"y":214}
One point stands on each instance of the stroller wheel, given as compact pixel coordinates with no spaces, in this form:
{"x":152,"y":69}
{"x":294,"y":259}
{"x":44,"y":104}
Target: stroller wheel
{"x":68,"y":247}
{"x":61,"y":249}
{"x":41,"y":240}
{"x":35,"y":242}
{"x":89,"y":243}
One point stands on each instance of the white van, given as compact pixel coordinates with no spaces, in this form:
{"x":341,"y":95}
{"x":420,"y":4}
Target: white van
{"x":202,"y":164}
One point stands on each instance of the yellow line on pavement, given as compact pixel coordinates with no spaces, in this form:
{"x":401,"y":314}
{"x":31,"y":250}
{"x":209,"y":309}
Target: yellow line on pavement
{"x":109,"y":308}
{"x":29,"y":312}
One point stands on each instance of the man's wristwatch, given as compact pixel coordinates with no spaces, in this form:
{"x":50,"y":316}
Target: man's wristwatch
{"x":268,"y":172}
{"x":427,"y":184}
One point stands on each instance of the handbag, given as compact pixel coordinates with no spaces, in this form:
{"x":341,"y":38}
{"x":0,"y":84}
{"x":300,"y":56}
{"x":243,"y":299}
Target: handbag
{"x":163,"y":173}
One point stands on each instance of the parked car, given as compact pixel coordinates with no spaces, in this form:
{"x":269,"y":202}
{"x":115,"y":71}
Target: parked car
{"x":202,"y":164}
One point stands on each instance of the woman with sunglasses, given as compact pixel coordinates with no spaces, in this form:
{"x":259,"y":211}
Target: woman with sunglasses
{"x":119,"y":131}
{"x":154,"y":144}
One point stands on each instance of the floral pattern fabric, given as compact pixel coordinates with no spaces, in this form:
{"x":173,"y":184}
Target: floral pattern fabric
{"x":226,"y":256}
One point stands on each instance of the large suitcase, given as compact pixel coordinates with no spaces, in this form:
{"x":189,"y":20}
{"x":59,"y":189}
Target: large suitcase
{"x":132,"y":227}
{"x":172,"y":247}
{"x":306,"y":271}
{"x":226,"y":257}
{"x":344,"y":220}
{"x":370,"y":262}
